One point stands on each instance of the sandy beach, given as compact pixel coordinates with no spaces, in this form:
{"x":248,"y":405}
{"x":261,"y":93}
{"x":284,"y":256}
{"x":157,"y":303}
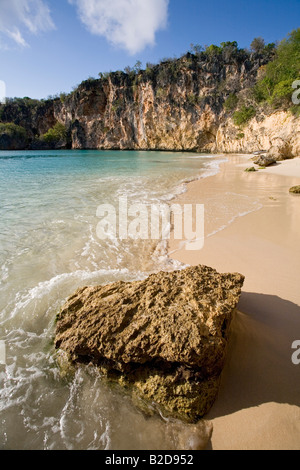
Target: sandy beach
{"x":258,"y":406}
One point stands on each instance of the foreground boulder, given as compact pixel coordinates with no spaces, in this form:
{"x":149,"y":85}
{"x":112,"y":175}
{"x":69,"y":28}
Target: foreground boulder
{"x":164,"y":338}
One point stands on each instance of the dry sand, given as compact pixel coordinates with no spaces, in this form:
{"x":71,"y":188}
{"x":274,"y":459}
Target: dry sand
{"x":258,"y":406}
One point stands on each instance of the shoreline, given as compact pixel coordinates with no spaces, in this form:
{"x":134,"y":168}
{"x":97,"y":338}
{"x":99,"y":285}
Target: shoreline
{"x":258,"y":406}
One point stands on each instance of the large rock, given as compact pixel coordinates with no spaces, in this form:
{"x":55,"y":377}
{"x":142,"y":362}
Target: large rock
{"x":264,"y":160}
{"x":280,"y":150}
{"x":295,"y":190}
{"x":164,"y":338}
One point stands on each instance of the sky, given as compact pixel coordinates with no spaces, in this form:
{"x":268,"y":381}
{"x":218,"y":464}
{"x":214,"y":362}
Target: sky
{"x":50,"y":46}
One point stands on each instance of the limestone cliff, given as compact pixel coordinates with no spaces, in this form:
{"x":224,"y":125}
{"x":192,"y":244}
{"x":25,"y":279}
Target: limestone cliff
{"x":176,"y":105}
{"x":278,"y":133}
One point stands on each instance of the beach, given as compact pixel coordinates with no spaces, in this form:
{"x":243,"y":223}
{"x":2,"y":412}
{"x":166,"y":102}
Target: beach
{"x":251,"y":227}
{"x":258,"y":406}
{"x":50,"y":247}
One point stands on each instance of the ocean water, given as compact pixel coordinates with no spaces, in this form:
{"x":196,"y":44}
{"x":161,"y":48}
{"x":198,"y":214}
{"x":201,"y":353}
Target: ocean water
{"x":49,"y":248}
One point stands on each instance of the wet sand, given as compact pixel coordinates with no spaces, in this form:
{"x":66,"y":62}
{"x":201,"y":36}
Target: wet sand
{"x":252,"y":226}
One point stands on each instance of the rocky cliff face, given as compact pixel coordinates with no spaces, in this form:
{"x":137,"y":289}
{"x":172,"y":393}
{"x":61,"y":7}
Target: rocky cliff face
{"x":176,"y":105}
{"x":277,"y":133}
{"x":173,"y":106}
{"x":164,"y":339}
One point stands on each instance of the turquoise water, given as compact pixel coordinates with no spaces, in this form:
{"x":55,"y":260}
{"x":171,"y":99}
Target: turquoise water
{"x":49,"y":247}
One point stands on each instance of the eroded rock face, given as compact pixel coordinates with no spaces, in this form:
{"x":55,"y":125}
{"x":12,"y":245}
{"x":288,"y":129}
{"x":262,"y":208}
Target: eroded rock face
{"x":278,"y":133}
{"x":164,"y":338}
{"x":177,"y":105}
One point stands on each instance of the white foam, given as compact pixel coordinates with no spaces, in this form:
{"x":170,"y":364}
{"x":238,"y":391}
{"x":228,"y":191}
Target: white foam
{"x":4,"y":273}
{"x":240,"y":214}
{"x":44,"y":288}
{"x":211,"y":168}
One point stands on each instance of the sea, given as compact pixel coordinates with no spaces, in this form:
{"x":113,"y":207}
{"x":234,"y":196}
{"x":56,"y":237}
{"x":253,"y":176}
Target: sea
{"x":49,"y":247}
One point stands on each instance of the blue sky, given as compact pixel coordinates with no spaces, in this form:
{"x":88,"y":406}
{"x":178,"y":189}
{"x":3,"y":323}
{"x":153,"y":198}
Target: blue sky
{"x":50,"y":46}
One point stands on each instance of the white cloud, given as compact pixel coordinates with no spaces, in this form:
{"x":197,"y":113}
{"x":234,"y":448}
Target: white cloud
{"x":129,"y":24}
{"x":20,"y":16}
{"x":16,"y":35}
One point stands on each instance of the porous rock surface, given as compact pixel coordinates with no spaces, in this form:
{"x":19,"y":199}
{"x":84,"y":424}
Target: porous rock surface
{"x":295,"y":190}
{"x":163,"y":338}
{"x":264,"y":160}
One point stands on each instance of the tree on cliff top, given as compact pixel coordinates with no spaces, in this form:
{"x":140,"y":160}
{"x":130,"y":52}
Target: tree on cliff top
{"x":258,"y":45}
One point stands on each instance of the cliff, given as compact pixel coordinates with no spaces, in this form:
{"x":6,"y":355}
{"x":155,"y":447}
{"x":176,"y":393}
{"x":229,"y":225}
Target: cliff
{"x":176,"y":105}
{"x":179,"y":105}
{"x":278,"y":133}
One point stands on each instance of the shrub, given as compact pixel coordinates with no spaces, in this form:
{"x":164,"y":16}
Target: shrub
{"x":117,"y":105}
{"x":161,"y":93}
{"x":244,"y":115}
{"x":104,"y":75}
{"x":196,"y":49}
{"x":63,"y":97}
{"x":258,"y":45}
{"x":55,"y":134}
{"x":240,"y":135}
{"x":149,"y":70}
{"x":295,"y":110}
{"x":231,"y":102}
{"x":275,"y":87}
{"x":263,"y":90}
{"x":270,"y":48}
{"x":192,"y":99}
{"x":213,"y":50}
{"x":282,"y":92}
{"x":13,"y":130}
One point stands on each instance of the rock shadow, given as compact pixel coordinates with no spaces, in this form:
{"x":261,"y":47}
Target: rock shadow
{"x":259,"y":367}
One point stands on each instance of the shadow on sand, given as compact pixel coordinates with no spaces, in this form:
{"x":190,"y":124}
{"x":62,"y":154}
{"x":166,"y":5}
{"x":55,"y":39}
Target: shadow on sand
{"x":259,"y":367}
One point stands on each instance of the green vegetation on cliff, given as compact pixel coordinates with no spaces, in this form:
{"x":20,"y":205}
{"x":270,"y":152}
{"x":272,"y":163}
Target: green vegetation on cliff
{"x":12,"y":136}
{"x":231,"y":102}
{"x":275,"y":87}
{"x":244,"y":115}
{"x":12,"y":129}
{"x":136,"y":108}
{"x":56,"y":134}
